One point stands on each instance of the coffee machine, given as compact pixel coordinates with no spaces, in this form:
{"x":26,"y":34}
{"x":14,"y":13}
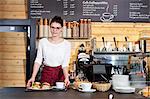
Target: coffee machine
{"x":90,"y":69}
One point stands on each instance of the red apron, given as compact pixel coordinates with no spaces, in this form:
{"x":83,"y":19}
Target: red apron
{"x":52,"y":74}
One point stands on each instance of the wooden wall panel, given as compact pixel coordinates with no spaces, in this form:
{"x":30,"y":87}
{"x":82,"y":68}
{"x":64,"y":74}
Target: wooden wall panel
{"x":13,"y":15}
{"x":119,"y":30}
{"x":14,"y":76}
{"x":12,"y":83}
{"x":13,"y":46}
{"x":12,"y":41}
{"x":13,"y":9}
{"x":12,"y":59}
{"x":12,"y":34}
{"x":11,"y":63}
{"x":12,"y":55}
{"x":12,"y":69}
{"x":19,"y":2}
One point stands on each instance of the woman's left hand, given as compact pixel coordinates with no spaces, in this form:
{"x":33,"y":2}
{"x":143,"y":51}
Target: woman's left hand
{"x":67,"y":82}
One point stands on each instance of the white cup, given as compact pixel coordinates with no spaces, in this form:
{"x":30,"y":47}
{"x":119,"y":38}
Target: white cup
{"x":85,"y":86}
{"x":60,"y":85}
{"x":120,"y":81}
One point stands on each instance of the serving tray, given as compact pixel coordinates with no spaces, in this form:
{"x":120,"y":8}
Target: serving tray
{"x":53,"y":88}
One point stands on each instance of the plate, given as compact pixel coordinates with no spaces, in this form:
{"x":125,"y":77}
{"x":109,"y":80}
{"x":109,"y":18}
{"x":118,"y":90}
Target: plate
{"x":124,"y":89}
{"x":91,"y":90}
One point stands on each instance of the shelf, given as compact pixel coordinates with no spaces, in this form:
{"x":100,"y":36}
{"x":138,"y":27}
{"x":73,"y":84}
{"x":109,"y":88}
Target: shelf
{"x":145,"y":38}
{"x":70,"y":38}
{"x":125,"y":53}
{"x":77,"y":38}
{"x":146,"y":54}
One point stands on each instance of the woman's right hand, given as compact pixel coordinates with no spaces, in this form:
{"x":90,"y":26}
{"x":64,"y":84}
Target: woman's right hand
{"x":30,"y":82}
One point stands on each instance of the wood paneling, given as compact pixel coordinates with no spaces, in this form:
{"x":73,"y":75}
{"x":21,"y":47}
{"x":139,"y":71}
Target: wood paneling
{"x":12,"y":35}
{"x":12,"y":41}
{"x":12,"y":83}
{"x":13,"y":15}
{"x":17,"y":2}
{"x":12,"y":69}
{"x":13,"y":62}
{"x":13,"y":38}
{"x":13,"y":48}
{"x":119,"y":30}
{"x":12,"y":8}
{"x":12,"y":59}
{"x":12,"y":76}
{"x":12,"y":55}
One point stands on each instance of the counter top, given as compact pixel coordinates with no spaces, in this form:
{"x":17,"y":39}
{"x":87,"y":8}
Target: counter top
{"x":20,"y":93}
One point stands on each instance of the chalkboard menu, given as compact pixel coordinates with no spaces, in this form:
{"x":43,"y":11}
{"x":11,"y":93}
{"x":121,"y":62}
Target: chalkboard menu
{"x":97,"y":10}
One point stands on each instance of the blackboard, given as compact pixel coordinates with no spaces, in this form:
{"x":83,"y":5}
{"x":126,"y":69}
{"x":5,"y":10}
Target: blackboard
{"x":97,"y":10}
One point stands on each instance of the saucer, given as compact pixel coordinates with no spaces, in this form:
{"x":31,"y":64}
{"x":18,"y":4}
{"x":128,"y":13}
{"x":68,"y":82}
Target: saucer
{"x":58,"y":87}
{"x":124,"y":89}
{"x":91,"y":90}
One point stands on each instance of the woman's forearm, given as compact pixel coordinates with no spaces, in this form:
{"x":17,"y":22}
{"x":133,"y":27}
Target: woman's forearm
{"x":35,"y":69}
{"x":65,"y":71}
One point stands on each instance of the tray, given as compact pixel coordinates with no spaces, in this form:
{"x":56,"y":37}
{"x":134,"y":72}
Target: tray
{"x":39,"y":90}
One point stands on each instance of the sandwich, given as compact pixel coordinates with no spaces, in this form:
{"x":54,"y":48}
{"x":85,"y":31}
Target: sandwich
{"x":45,"y":85}
{"x":36,"y":85}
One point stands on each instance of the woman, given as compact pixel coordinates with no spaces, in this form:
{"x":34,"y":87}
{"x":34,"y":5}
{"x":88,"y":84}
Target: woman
{"x":54,"y":53}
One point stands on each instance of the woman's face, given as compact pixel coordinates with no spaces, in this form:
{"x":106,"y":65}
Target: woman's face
{"x":56,"y":29}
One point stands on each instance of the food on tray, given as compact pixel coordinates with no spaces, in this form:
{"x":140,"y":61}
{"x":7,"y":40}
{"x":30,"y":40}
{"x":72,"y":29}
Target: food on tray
{"x":40,"y":86}
{"x":45,"y":85}
{"x":145,"y":91}
{"x":36,"y":85}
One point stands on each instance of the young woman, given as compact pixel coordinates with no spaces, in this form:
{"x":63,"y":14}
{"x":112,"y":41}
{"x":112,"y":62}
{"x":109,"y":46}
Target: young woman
{"x":54,"y":53}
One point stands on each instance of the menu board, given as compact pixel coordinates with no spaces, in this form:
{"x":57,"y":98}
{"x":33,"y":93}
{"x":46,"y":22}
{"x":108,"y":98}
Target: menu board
{"x":97,"y":10}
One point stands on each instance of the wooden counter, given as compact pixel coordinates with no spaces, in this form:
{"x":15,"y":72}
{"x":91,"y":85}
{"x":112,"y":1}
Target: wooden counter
{"x":19,"y":93}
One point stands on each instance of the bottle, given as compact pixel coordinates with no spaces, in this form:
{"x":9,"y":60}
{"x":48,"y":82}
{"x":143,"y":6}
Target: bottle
{"x":81,"y":28}
{"x":41,"y":28}
{"x":74,"y":29}
{"x":46,"y":28}
{"x":69,"y":30}
{"x":85,"y":28}
{"x":88,"y":27}
{"x":49,"y":33}
{"x":77,"y":29}
{"x":64,"y":34}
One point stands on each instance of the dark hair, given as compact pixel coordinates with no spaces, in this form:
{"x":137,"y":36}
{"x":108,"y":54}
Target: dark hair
{"x":57,"y":19}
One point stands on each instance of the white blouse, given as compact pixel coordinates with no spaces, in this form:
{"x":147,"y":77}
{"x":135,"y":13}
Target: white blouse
{"x":53,"y":54}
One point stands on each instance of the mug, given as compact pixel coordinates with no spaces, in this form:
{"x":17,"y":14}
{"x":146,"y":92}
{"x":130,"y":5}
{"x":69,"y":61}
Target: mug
{"x":85,"y":86}
{"x":60,"y":85}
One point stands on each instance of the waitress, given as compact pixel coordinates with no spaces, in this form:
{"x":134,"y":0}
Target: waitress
{"x":54,"y":53}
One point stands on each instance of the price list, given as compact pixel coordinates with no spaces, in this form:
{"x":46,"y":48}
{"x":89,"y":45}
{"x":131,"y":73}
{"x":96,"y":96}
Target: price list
{"x":37,"y":9}
{"x":139,"y":9}
{"x":97,"y":10}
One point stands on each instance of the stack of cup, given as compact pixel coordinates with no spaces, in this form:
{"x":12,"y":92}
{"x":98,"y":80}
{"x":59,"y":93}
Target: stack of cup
{"x":120,"y":81}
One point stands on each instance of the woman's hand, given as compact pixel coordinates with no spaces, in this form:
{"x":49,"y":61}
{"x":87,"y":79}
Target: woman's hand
{"x":30,"y":82}
{"x":67,"y":82}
